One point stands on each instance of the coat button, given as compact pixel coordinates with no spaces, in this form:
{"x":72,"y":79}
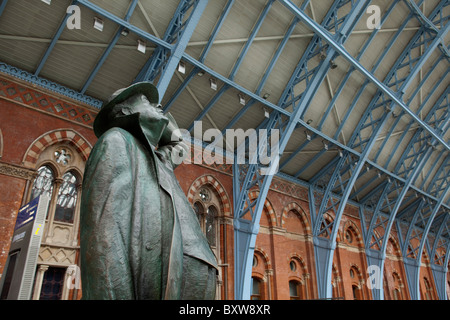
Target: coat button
{"x":148,"y":246}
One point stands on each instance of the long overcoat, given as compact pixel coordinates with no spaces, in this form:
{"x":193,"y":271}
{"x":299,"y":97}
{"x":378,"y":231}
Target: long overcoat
{"x":137,"y":227}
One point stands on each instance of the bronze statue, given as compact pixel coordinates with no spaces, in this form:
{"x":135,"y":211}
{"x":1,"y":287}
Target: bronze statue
{"x":140,"y":238}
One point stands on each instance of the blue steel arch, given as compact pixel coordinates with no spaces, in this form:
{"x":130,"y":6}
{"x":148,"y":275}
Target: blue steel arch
{"x":246,"y":231}
{"x":438,"y":244}
{"x":393,"y":194}
{"x":342,"y":177}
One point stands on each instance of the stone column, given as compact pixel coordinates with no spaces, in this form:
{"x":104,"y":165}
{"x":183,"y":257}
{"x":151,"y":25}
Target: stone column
{"x":51,"y":210}
{"x":38,"y":281}
{"x":76,"y":218}
{"x":71,"y":281}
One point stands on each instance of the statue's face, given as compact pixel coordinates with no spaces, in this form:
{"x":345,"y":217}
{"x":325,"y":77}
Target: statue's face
{"x":151,"y":117}
{"x":150,"y":112}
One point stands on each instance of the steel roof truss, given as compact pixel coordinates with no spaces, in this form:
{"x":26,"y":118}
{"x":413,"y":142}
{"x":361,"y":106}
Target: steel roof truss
{"x":302,"y":73}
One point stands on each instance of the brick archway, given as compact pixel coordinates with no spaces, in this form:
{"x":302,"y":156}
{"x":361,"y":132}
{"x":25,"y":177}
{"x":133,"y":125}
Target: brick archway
{"x":81,"y":145}
{"x":270,"y":211}
{"x":260,"y":251}
{"x":294,"y":206}
{"x":349,"y":224}
{"x":218,"y":188}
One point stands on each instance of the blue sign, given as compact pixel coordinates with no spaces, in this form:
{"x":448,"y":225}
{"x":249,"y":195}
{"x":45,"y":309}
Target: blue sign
{"x":27,"y":213}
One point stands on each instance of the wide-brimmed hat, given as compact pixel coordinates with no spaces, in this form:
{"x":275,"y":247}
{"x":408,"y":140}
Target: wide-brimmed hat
{"x":101,"y":124}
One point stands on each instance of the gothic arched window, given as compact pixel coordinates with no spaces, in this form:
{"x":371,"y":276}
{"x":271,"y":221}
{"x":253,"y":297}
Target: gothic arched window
{"x":210,"y":225}
{"x":43,"y":184}
{"x":205,"y":207}
{"x":67,"y":199}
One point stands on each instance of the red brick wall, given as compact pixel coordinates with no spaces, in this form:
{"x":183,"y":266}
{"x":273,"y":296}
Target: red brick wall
{"x":10,"y":201}
{"x":25,"y":115}
{"x":285,"y":233}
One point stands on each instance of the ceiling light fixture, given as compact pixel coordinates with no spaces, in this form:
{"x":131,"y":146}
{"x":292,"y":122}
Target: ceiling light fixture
{"x":47,"y":1}
{"x":182,"y":67}
{"x":308,"y":136}
{"x":322,"y":54}
{"x":266,"y":113}
{"x":98,"y":24}
{"x":266,"y":96}
{"x":141,"y":46}
{"x":125,"y":32}
{"x":241,"y":99}
{"x":213,"y":83}
{"x":333,"y":65}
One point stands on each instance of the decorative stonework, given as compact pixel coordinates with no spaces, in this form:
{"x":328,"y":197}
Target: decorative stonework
{"x":260,"y":251}
{"x":81,"y":145}
{"x":208,"y":179}
{"x":40,"y":101}
{"x":57,"y":256}
{"x":270,"y":211}
{"x":294,"y":206}
{"x":17,"y":172}
{"x":290,"y":189}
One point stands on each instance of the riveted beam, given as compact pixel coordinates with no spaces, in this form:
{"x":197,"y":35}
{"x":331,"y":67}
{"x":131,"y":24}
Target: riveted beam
{"x":380,"y":85}
{"x":52,"y":44}
{"x":110,"y":47}
{"x":252,"y":176}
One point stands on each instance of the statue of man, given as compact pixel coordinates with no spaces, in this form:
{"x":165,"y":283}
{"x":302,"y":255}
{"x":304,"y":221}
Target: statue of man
{"x":140,"y":238}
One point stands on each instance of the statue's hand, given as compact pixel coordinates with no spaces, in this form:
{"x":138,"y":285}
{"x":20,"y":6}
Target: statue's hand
{"x":173,"y":153}
{"x":171,"y":133}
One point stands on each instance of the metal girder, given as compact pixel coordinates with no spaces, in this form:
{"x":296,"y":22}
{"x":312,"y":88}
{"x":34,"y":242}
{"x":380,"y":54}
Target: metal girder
{"x":440,"y":252}
{"x":156,"y":63}
{"x":110,"y":47}
{"x":409,"y":126}
{"x":392,"y":195}
{"x":246,"y":177}
{"x":164,"y":62}
{"x":439,"y":182}
{"x":343,"y":176}
{"x":352,"y":69}
{"x":52,"y":44}
{"x":238,"y":63}
{"x":272,"y":63}
{"x":202,"y":58}
{"x":3,"y":6}
{"x":196,"y":63}
{"x":427,"y":23}
{"x":359,"y":93}
{"x":247,"y":230}
{"x":419,"y":143}
{"x":319,"y":30}
{"x":416,"y":237}
{"x":145,"y":35}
